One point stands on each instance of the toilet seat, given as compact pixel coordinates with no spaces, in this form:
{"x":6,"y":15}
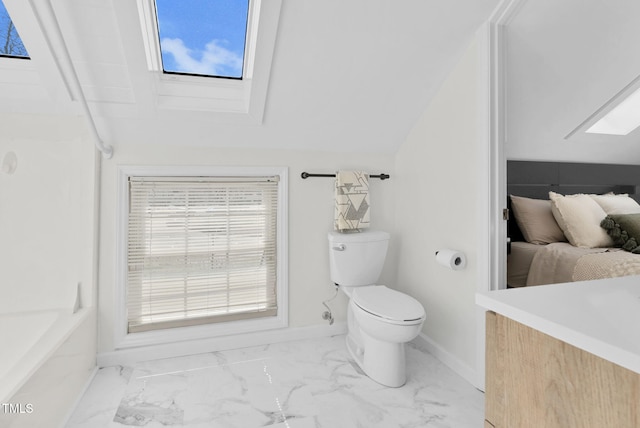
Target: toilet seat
{"x":390,"y":305}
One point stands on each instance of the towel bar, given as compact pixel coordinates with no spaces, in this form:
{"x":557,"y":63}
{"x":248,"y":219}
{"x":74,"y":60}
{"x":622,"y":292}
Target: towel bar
{"x":306,"y":175}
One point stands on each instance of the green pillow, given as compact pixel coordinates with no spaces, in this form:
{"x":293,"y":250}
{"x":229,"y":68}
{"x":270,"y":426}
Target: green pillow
{"x":624,"y":229}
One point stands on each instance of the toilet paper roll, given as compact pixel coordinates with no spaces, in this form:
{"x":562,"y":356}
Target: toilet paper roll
{"x":452,"y":259}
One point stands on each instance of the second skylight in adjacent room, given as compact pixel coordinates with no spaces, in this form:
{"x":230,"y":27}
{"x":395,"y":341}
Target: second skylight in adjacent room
{"x":203,"y":37}
{"x":10,"y":42}
{"x":622,"y":119}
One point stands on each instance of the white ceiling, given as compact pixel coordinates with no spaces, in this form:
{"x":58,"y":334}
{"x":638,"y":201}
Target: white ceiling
{"x":565,"y":60}
{"x":346,"y":75}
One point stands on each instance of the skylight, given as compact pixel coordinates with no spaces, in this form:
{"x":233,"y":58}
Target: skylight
{"x":209,"y":39}
{"x":10,"y":42}
{"x":623,"y":119}
{"x":203,"y":37}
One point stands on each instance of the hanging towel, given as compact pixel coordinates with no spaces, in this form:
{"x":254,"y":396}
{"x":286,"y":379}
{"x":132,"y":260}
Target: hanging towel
{"x":352,"y":201}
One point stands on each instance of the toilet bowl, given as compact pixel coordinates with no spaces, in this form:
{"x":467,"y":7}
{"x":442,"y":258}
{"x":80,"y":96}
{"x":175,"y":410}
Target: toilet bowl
{"x":380,"y":320}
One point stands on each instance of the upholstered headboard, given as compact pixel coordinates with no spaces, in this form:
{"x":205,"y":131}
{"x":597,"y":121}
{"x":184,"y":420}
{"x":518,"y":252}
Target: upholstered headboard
{"x":535,"y":179}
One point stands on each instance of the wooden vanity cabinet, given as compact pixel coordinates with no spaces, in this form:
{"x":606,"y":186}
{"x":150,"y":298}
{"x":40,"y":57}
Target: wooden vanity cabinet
{"x":535,"y":380}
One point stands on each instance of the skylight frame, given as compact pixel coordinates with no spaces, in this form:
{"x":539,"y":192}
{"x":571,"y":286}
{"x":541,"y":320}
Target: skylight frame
{"x":233,"y":100}
{"x":149,"y":26}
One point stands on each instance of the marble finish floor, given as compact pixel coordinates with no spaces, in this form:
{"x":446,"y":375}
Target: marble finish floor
{"x":301,"y":384}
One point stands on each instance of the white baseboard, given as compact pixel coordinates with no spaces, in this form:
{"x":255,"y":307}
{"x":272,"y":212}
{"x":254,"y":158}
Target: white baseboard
{"x":449,"y":360}
{"x":131,"y":356}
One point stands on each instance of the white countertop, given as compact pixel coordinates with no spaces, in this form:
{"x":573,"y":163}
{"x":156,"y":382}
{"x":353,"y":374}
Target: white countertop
{"x":601,"y":317}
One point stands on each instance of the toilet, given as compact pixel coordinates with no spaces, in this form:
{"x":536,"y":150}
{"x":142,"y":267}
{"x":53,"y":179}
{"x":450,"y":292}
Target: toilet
{"x":380,"y":320}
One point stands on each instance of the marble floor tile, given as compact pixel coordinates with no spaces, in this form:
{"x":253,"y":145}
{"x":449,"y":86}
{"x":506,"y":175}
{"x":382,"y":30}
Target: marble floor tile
{"x":302,"y":384}
{"x":97,"y":407}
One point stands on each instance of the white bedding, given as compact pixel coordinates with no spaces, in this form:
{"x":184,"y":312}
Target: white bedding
{"x":562,"y":262}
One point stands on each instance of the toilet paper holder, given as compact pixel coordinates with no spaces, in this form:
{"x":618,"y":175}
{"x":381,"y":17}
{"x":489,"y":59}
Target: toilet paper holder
{"x":451,"y":259}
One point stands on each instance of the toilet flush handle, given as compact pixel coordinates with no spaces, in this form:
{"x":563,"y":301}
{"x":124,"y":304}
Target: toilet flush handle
{"x":340,"y":247}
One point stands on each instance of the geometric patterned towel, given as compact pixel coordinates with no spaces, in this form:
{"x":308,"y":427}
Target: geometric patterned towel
{"x":352,"y":201}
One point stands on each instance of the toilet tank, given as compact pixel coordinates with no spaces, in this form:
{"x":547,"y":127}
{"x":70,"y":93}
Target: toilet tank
{"x":357,"y":259}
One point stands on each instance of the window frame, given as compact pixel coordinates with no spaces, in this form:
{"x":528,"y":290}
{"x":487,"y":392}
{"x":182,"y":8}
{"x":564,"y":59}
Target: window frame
{"x":123,"y":339}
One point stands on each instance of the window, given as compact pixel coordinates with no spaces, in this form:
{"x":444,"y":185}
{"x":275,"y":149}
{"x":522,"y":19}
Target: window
{"x":617,"y":116}
{"x":622,"y":119}
{"x":203,"y":37}
{"x":203,"y":249}
{"x":10,"y":42}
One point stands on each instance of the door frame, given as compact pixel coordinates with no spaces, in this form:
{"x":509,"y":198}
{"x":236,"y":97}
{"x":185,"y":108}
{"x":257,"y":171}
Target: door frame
{"x":492,"y":227}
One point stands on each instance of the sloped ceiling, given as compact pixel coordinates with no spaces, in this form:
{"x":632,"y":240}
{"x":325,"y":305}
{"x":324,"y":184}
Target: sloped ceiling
{"x":346,"y":75}
{"x":565,"y":60}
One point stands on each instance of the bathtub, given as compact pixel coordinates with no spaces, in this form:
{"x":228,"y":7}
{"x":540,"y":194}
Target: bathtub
{"x":46,"y":359}
{"x":18,"y":334}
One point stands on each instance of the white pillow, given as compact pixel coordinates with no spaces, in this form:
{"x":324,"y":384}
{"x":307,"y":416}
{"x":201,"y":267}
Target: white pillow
{"x":579,"y":217}
{"x":617,"y":204}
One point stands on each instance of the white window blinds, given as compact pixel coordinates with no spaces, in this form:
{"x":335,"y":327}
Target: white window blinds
{"x":200,"y":250}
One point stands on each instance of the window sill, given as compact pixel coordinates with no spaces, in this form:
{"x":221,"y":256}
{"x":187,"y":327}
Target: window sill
{"x":202,"y":93}
{"x":208,"y":331}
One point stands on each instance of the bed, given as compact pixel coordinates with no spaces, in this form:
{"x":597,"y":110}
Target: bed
{"x":555,"y":231}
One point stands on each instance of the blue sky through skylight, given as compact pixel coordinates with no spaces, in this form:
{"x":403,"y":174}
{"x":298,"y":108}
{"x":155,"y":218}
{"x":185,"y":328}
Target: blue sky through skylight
{"x":204,"y":37}
{"x":10,"y":42}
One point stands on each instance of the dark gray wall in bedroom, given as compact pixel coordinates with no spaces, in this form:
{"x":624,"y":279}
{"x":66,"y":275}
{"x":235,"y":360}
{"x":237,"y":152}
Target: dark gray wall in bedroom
{"x":536,"y":179}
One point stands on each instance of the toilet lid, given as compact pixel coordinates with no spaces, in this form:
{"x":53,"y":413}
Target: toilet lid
{"x":387,"y":303}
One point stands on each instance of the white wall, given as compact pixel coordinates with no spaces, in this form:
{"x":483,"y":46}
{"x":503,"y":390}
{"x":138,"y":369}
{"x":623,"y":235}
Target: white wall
{"x":310,"y":218}
{"x":46,"y":213}
{"x":437,"y":183}
{"x":564,"y":61}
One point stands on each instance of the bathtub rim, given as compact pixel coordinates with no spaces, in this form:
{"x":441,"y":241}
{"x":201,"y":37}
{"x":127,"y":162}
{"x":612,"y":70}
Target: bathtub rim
{"x":64,"y":326}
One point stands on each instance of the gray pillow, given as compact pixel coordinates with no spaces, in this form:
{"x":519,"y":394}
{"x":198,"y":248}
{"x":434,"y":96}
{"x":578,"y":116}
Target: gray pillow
{"x":536,"y":221}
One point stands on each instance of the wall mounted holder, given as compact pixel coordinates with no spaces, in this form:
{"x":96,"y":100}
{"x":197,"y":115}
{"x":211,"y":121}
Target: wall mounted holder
{"x":306,"y":175}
